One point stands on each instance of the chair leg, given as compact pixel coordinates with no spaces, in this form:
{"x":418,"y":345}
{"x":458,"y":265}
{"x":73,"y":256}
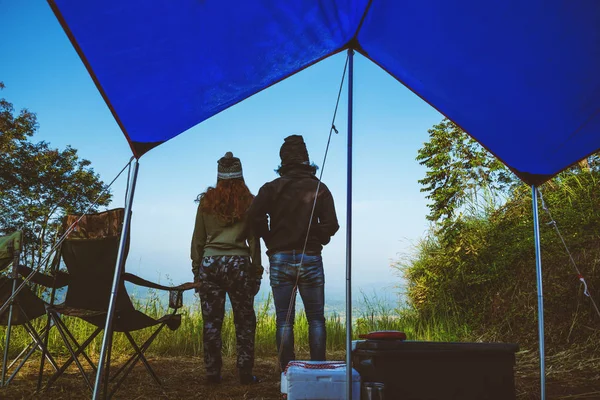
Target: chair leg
{"x":41,"y":343}
{"x":74,"y":355}
{"x":65,"y":329}
{"x":23,"y":361}
{"x":7,"y":343}
{"x":34,"y":345}
{"x":83,"y":353}
{"x":124,"y":366}
{"x":44,"y":350}
{"x":29,"y":350}
{"x":66,"y":365}
{"x":45,"y":336}
{"x":139,"y":355}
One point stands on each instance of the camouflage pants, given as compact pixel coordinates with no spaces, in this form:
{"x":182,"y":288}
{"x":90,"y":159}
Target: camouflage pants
{"x":222,"y":275}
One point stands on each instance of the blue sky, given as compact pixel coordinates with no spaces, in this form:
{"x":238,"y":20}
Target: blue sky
{"x":43,"y":73}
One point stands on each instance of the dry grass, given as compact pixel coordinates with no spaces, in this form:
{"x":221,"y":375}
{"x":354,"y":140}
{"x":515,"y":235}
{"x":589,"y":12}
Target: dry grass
{"x":570,"y":374}
{"x":183,"y":378}
{"x":573,"y":374}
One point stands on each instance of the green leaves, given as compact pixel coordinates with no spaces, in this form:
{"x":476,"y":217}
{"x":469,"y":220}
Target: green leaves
{"x":457,"y":168}
{"x":40,"y":184}
{"x":478,"y":263}
{"x":14,"y":128}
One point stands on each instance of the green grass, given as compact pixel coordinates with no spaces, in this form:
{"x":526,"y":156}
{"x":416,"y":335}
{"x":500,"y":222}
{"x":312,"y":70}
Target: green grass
{"x":187,"y":340}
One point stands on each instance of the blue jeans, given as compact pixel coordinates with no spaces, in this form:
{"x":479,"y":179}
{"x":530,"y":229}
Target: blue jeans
{"x":285,"y":272}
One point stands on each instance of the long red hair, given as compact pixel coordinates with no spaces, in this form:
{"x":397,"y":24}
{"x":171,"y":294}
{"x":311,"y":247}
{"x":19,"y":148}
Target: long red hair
{"x":229,"y":200}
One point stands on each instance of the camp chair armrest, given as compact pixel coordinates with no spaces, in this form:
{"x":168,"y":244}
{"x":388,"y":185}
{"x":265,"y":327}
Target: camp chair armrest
{"x":59,"y":280}
{"x":175,"y":292}
{"x":143,"y":282}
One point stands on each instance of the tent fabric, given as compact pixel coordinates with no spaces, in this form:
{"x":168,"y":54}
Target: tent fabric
{"x":167,"y":67}
{"x":520,"y":77}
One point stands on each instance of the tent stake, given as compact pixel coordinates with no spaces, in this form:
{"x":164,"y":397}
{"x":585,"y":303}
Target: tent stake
{"x":119,"y":267}
{"x":540,"y":292}
{"x":349,"y":231}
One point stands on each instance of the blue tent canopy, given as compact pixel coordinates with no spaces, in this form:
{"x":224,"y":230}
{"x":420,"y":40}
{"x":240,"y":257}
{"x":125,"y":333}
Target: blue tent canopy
{"x":521,"y":77}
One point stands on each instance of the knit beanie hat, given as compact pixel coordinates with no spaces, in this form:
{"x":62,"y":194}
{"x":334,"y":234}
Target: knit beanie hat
{"x":230,"y":167}
{"x":293,"y":151}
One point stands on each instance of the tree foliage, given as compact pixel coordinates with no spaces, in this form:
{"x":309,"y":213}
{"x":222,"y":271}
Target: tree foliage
{"x":457,"y":168}
{"x":481,"y":267}
{"x":40,"y":184}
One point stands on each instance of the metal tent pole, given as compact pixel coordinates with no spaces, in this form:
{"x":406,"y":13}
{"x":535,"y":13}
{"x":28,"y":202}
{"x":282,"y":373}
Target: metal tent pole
{"x":540,"y":291}
{"x":7,"y":342}
{"x":119,"y":267}
{"x":349,"y":231}
{"x":14,"y":276}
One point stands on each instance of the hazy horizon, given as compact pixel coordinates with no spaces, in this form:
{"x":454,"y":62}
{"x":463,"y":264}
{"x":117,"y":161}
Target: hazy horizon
{"x":42,"y":72}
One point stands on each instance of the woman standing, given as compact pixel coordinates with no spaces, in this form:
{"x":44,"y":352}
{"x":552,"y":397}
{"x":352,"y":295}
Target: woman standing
{"x":226,"y":259}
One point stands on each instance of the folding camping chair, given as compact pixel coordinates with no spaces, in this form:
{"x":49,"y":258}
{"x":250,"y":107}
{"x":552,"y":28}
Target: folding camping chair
{"x":90,"y":253}
{"x":24,"y":308}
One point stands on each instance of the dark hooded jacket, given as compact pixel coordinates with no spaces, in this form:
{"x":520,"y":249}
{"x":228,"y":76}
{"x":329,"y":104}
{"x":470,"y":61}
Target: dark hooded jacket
{"x":281,"y":211}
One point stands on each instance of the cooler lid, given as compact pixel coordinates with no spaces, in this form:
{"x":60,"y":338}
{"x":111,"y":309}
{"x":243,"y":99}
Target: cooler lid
{"x":311,"y":371}
{"x":448,"y":347}
{"x":384,"y":335}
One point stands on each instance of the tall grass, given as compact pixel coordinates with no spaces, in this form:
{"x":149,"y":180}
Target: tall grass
{"x":187,"y":340}
{"x":479,"y":266}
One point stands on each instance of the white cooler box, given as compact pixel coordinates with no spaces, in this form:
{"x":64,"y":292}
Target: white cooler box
{"x":318,"y":380}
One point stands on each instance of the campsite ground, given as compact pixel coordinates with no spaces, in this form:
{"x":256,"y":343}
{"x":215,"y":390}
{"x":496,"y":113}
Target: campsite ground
{"x":571,"y":375}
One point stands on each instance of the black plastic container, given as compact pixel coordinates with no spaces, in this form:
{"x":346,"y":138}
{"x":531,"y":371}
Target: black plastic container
{"x":435,"y":370}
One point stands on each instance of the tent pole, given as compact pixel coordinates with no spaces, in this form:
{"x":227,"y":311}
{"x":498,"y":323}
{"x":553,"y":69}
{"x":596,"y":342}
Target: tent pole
{"x":349,"y":231}
{"x":14,"y":276}
{"x":8,"y":332}
{"x":540,"y":291}
{"x":119,"y":267}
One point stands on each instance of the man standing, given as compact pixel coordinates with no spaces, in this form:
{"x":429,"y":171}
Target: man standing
{"x":295,"y":228}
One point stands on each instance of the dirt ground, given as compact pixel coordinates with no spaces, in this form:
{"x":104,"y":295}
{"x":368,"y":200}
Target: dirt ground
{"x":183,"y":378}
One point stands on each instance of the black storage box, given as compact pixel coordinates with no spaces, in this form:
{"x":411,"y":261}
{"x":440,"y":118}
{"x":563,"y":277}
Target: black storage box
{"x":438,"y":371}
